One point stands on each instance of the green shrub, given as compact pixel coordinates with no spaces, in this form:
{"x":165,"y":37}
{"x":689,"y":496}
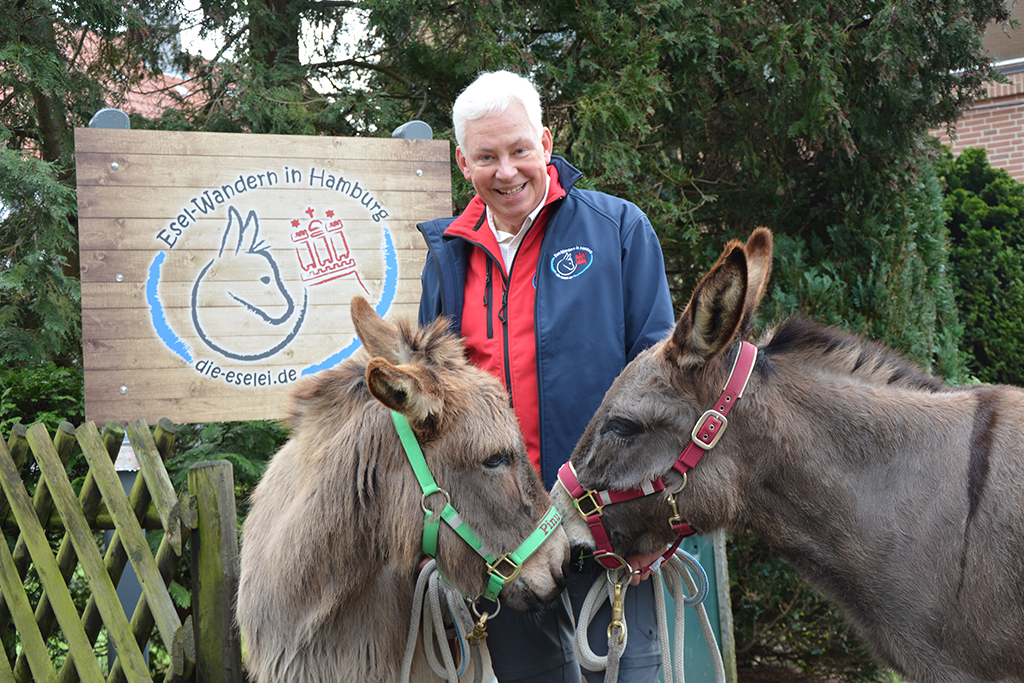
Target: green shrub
{"x":247,"y":445}
{"x":986,"y":228}
{"x":44,"y":393}
{"x":783,"y":623}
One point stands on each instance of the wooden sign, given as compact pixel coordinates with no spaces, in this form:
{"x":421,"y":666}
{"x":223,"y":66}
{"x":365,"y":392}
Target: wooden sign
{"x":217,"y":269}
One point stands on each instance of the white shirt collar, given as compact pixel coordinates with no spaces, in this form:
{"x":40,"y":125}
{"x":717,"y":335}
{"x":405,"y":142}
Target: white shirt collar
{"x":509,"y":243}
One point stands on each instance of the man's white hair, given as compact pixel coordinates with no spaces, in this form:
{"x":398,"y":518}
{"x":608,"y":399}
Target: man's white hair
{"x":491,"y":93}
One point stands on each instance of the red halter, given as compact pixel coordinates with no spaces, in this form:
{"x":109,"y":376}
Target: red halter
{"x":706,"y":433}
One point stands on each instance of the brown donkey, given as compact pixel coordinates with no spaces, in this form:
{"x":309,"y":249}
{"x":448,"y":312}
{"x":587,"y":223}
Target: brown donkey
{"x":333,"y":539}
{"x":900,"y":498}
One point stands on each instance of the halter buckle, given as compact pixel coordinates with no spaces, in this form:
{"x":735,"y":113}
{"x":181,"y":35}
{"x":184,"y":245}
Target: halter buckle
{"x":709,"y":429}
{"x":597,"y":508}
{"x":516,"y":568}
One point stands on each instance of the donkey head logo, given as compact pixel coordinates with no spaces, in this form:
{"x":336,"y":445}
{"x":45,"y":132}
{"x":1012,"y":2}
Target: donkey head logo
{"x":570,"y":263}
{"x":242,"y":287}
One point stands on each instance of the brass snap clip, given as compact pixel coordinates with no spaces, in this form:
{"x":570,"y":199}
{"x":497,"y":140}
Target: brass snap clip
{"x":617,"y":610}
{"x":479,"y":631}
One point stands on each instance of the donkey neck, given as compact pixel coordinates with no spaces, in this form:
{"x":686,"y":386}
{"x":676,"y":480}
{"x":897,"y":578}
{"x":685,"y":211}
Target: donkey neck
{"x":836,"y":465}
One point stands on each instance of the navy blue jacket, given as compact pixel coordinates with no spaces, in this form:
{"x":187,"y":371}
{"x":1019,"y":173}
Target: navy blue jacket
{"x":602,"y":298}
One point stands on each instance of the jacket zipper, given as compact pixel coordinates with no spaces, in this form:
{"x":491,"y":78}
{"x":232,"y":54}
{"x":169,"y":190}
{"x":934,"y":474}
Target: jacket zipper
{"x":503,"y":317}
{"x":487,"y":299}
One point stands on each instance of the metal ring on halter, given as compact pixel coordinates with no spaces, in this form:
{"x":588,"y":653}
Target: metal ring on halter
{"x":681,"y":486}
{"x":625,"y":568}
{"x":622,"y":562}
{"x":476,"y":612}
{"x":423,"y":500}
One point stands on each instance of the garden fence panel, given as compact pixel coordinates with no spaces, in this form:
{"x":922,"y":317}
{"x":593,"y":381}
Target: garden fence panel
{"x":101,"y":504}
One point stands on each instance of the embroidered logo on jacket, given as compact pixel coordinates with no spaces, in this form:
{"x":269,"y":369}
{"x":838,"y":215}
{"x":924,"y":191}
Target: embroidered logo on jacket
{"x":571,"y":262}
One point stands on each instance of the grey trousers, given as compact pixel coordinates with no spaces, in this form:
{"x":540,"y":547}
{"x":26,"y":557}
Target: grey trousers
{"x":538,"y":647}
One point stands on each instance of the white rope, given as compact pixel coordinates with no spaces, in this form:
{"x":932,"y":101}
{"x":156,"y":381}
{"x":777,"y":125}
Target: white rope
{"x":604,"y":587}
{"x":430,"y":589}
{"x":675,"y":572}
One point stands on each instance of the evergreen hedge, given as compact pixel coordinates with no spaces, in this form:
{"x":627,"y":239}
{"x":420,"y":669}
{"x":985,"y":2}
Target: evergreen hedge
{"x":986,"y":228}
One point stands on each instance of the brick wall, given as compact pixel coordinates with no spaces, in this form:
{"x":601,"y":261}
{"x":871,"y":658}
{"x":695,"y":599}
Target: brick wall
{"x":997,"y":124}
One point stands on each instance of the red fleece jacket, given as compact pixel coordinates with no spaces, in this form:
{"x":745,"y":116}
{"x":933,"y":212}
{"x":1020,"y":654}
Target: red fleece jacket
{"x":497,"y":316}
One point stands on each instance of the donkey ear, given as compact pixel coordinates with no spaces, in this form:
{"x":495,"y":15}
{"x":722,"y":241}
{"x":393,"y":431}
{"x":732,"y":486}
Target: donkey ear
{"x":250,"y":236}
{"x":759,"y":269}
{"x":409,"y":389}
{"x":712,"y":318}
{"x":232,"y":239}
{"x":237,"y":232}
{"x":381,"y":338}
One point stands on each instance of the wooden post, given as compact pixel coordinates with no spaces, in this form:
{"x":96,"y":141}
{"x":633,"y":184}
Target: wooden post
{"x":725,"y":624}
{"x":214,"y":546}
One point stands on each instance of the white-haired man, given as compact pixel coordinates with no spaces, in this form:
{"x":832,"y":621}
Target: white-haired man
{"x":554,"y":289}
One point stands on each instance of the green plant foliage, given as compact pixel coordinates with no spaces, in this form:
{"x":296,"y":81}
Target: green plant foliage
{"x":881,"y":273}
{"x":54,"y":75}
{"x":182,"y":597}
{"x":806,"y":116}
{"x":44,"y":393}
{"x":248,"y":446}
{"x":986,"y":224}
{"x":787,"y":624}
{"x":40,"y":299}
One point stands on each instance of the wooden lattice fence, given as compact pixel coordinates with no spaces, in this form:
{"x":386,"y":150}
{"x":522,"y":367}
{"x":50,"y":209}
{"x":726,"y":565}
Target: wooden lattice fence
{"x":205,"y":647}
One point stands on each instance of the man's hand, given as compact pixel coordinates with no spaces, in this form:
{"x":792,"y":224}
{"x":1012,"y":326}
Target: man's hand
{"x":638,"y":561}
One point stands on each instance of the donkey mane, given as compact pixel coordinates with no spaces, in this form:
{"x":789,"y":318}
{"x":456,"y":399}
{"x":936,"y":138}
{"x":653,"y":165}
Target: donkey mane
{"x":842,"y":352}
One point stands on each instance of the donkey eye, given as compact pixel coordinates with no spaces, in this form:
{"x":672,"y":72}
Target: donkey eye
{"x":265,"y":279}
{"x":621,"y":428}
{"x":498,"y":460}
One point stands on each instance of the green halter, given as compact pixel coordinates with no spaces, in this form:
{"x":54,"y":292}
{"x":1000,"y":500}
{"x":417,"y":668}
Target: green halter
{"x":499,"y":569}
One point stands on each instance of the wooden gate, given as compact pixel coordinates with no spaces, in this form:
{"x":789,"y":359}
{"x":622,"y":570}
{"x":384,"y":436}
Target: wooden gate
{"x":205,"y":647}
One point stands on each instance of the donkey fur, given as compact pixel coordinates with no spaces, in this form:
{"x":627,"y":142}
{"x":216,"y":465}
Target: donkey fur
{"x":333,"y":539}
{"x":902,"y":499}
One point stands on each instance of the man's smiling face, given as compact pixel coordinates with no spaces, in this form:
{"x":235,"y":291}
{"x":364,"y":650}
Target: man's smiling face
{"x":507,"y":162}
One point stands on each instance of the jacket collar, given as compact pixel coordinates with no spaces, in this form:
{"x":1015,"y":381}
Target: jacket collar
{"x":472,"y":223}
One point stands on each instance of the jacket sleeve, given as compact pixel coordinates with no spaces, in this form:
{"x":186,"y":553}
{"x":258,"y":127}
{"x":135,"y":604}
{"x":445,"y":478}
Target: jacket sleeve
{"x":648,"y":303}
{"x":430,"y":294}
{"x":431,"y":301}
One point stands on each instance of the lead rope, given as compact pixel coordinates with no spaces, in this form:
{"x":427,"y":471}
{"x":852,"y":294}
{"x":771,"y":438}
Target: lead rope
{"x":675,"y":573}
{"x":613,"y":587}
{"x":430,"y":589}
